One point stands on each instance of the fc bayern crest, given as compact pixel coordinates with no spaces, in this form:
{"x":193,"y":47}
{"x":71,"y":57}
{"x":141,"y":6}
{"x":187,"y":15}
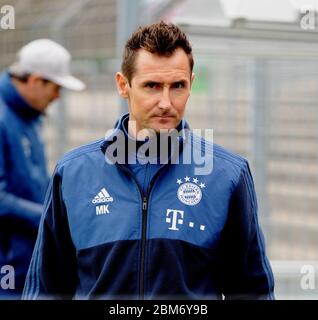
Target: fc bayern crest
{"x":190,"y":192}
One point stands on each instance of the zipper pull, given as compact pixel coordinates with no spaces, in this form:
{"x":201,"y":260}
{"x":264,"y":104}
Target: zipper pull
{"x":144,"y":204}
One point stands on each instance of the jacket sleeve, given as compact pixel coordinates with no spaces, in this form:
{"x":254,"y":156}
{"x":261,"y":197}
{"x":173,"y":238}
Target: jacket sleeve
{"x":12,"y":207}
{"x":244,"y":269}
{"x":52,"y":272}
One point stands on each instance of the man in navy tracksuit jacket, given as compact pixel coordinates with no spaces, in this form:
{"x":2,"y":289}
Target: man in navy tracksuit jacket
{"x":23,"y":181}
{"x":119,"y":223}
{"x":26,"y":89}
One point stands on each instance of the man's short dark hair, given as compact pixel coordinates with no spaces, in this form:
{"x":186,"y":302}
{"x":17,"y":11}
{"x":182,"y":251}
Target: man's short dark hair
{"x":158,"y":38}
{"x":22,"y":77}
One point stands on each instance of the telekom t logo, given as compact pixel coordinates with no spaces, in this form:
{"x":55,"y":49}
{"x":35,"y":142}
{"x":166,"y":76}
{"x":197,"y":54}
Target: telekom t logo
{"x":174,"y":220}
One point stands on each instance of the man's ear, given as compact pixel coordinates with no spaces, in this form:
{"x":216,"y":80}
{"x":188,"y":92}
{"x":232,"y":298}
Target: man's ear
{"x":192,"y":78}
{"x":122,"y":85}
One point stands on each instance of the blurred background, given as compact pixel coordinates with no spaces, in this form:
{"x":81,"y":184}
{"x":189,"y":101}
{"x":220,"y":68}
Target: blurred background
{"x":256,"y":65}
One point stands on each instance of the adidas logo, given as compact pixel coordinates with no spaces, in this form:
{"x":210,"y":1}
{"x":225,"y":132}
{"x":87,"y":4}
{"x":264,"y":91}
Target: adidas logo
{"x":102,"y":196}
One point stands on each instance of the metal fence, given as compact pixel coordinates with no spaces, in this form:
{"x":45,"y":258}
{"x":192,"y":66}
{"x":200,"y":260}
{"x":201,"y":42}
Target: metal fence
{"x":280,"y":139}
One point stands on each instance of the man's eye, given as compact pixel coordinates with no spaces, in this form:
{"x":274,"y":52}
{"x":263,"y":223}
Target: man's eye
{"x":179,"y":85}
{"x":151,"y":85}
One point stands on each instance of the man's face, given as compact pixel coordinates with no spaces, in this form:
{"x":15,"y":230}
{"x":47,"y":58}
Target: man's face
{"x":39,"y":92}
{"x":159,"y":90}
{"x":44,"y":93}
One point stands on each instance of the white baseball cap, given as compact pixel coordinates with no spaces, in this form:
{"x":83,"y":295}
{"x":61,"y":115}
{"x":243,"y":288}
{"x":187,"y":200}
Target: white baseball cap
{"x":49,"y":59}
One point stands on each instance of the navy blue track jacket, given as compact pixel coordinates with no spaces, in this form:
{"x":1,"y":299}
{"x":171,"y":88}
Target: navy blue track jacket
{"x":149,"y":231}
{"x":23,"y":182}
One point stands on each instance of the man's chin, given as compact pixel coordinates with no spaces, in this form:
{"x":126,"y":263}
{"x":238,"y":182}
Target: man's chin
{"x":163,"y":124}
{"x":163,"y":129}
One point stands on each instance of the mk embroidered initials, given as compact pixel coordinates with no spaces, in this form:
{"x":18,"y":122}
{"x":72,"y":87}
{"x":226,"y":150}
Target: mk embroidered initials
{"x":103,"y":209}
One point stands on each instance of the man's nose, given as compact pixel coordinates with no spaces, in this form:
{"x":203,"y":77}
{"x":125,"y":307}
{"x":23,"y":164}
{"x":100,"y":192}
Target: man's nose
{"x":165,"y":101}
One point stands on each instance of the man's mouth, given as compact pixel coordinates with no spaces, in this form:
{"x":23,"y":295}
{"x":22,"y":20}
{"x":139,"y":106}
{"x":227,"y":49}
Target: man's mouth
{"x":164,"y":116}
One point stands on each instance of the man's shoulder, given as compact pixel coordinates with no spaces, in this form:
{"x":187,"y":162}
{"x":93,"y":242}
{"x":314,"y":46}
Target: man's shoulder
{"x":6,"y":119}
{"x":3,"y":108}
{"x":7,"y":116}
{"x":80,"y":152}
{"x":229,"y":156}
{"x":219,"y":152}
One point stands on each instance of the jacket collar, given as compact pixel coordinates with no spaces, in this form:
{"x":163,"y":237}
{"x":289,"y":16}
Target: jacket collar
{"x":121,"y":127}
{"x":14,"y":100}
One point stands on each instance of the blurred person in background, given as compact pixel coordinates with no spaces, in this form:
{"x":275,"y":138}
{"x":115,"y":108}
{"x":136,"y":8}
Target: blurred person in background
{"x":27,"y":88}
{"x":123,"y":223}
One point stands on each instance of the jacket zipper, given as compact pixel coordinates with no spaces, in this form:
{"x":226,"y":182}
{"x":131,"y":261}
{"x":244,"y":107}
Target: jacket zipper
{"x":144,"y":199}
{"x":143,"y":247}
